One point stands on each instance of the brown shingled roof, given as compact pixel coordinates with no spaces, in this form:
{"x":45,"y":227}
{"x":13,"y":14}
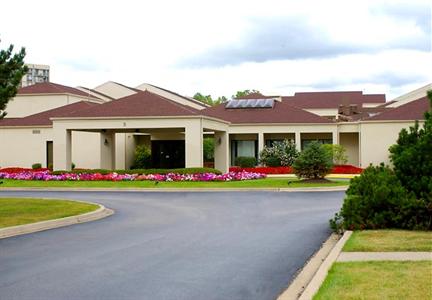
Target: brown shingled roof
{"x":332,"y":99}
{"x":141,"y":104}
{"x":43,"y":118}
{"x":51,"y":88}
{"x":282,"y":112}
{"x":413,"y":110}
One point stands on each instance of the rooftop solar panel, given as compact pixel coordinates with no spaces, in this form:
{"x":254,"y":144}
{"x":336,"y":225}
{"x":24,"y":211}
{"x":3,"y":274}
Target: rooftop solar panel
{"x":250,"y":103}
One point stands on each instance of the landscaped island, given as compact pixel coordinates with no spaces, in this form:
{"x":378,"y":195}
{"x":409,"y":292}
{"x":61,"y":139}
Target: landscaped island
{"x":20,"y":211}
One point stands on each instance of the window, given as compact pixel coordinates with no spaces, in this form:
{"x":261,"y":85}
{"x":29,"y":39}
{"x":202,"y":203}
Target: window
{"x":243,"y":148}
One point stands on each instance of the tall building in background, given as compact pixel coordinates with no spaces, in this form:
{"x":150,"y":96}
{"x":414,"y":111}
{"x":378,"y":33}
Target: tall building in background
{"x":35,"y":74}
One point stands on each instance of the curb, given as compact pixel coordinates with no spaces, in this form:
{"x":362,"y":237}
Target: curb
{"x":311,"y":189}
{"x":100,"y":213}
{"x":309,"y":279}
{"x":321,"y":274}
{"x":305,"y":275}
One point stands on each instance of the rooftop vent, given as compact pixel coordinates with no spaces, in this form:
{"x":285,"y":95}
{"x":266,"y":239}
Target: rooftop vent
{"x":250,"y":103}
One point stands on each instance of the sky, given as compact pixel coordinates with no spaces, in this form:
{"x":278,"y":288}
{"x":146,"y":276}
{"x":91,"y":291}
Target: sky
{"x":220,"y":47}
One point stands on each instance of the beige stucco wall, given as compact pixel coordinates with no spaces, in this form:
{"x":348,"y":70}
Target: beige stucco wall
{"x":323,"y":112}
{"x":350,"y":141}
{"x":114,"y":90}
{"x":171,"y":96}
{"x":20,"y":147}
{"x":26,"y":105}
{"x":85,"y":153}
{"x":22,"y":106}
{"x":375,"y":140}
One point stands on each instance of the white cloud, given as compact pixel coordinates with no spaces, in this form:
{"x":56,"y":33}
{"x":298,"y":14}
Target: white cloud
{"x":89,"y":42}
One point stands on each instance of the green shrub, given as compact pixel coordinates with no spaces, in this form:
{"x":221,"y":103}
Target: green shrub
{"x":314,"y":162}
{"x":338,"y":153}
{"x":36,"y":166}
{"x":208,"y":149}
{"x":246,"y":161}
{"x":376,"y":199}
{"x":412,"y":157}
{"x":142,"y":158}
{"x":280,"y":154}
{"x":272,"y":161}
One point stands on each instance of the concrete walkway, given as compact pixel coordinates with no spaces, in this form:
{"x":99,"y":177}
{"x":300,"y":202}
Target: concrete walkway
{"x":370,"y":256}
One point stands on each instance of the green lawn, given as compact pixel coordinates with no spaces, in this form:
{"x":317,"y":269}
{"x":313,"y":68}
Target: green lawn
{"x":378,"y":280}
{"x":389,"y":240}
{"x":259,"y":183}
{"x":18,"y":211}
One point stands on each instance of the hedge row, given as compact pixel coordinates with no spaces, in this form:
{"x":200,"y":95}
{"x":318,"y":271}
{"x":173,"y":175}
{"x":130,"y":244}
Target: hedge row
{"x":141,"y":171}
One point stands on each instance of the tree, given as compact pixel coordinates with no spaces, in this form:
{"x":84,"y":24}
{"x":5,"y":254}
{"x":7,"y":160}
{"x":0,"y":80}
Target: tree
{"x":208,"y":149}
{"x":143,"y":158}
{"x":209,"y":100}
{"x":412,"y":157}
{"x":338,"y":152}
{"x":314,"y":162}
{"x":280,"y":154}
{"x":244,"y":93}
{"x":12,"y":69}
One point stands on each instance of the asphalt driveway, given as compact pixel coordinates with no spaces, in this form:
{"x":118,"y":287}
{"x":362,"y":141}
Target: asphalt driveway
{"x":227,"y":245}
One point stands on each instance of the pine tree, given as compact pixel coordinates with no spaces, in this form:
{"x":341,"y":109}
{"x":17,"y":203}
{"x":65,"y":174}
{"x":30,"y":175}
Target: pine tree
{"x":412,"y":157}
{"x":12,"y":69}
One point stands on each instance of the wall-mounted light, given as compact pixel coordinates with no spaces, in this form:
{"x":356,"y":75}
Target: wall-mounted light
{"x":219,"y":141}
{"x":106,"y":142}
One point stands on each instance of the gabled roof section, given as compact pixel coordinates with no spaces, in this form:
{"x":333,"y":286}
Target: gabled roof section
{"x":172,"y":95}
{"x":115,"y":90}
{"x":52,"y":88}
{"x":43,"y":118}
{"x":413,"y":110}
{"x":282,"y":112}
{"x":140,"y":104}
{"x":321,"y":100}
{"x":95,"y":93}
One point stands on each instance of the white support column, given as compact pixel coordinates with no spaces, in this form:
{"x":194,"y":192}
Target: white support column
{"x":335,"y":137}
{"x":62,"y":149}
{"x":260,"y":143}
{"x":107,"y":150}
{"x":194,"y":146}
{"x":298,"y":140}
{"x":120,"y":150}
{"x":221,"y":151}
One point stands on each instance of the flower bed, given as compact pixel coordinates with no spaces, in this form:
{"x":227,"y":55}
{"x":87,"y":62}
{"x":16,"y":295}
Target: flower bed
{"x":46,"y":175}
{"x":21,"y":170}
{"x":338,"y":169}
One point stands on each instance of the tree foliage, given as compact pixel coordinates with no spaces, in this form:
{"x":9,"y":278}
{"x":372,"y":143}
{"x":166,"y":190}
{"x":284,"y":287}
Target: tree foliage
{"x":244,"y":93}
{"x":313,"y":162}
{"x":412,"y":157}
{"x":338,"y":152}
{"x":377,"y":199}
{"x":12,"y":69}
{"x":142,"y":157}
{"x":207,"y":99}
{"x":208,"y":149}
{"x":280,"y":154}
